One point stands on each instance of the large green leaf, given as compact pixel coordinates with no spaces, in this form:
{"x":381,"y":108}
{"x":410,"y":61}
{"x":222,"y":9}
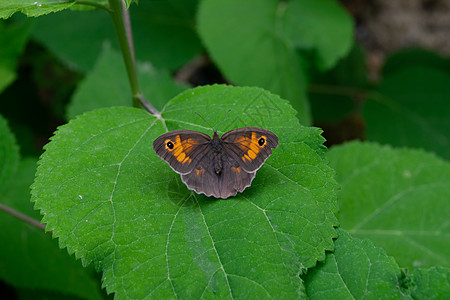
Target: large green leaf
{"x":76,"y":37}
{"x":9,"y":153}
{"x":356,"y":270}
{"x":31,"y":259}
{"x":397,"y":198}
{"x":107,"y":197}
{"x":256,"y":42}
{"x":107,"y":85}
{"x":411,"y":108}
{"x":244,"y":39}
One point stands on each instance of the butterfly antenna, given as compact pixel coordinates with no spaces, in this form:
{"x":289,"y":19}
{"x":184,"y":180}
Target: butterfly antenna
{"x":223,"y":118}
{"x":205,"y":121}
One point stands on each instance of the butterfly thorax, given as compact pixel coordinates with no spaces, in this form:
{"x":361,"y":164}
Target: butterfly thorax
{"x":216,"y":144}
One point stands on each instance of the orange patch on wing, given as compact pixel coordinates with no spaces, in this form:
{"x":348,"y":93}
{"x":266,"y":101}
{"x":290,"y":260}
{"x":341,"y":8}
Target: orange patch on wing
{"x":251,"y":154}
{"x":254,"y":147}
{"x":250,"y":146}
{"x":182,"y":148}
{"x":180,"y":157}
{"x":245,"y":157}
{"x":178,"y":151}
{"x":199,"y":171}
{"x":234,"y":170}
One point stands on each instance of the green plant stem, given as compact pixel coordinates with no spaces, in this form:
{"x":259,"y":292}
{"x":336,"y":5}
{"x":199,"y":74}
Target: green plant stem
{"x":122,"y":25}
{"x":22,"y":217}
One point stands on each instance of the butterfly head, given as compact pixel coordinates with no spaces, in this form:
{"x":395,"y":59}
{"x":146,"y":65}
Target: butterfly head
{"x":215,"y":135}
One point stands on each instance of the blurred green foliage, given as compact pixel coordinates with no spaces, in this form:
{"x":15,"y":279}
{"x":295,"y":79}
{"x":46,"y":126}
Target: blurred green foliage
{"x":59,"y":61}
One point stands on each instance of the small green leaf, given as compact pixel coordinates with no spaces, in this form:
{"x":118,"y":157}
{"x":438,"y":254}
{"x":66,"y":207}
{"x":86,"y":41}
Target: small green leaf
{"x":411,"y":108}
{"x":9,"y":154}
{"x":31,"y":259}
{"x":32,"y":8}
{"x":77,"y":46}
{"x":245,"y":35}
{"x":432,"y":283}
{"x":322,"y":26}
{"x":356,"y":270}
{"x":398,"y":199}
{"x":333,"y":94}
{"x":107,"y":85}
{"x":163,"y":33}
{"x":13,"y":38}
{"x":107,"y":197}
{"x":128,"y":3}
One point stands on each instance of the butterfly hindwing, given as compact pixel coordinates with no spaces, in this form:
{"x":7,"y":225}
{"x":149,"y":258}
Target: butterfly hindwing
{"x":204,"y":179}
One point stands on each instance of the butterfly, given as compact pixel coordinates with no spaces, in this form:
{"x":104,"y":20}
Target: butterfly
{"x":217,"y":166}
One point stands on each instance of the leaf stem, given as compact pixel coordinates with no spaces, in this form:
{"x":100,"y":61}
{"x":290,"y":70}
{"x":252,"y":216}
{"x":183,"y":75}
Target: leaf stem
{"x":122,"y":25}
{"x":22,"y":217}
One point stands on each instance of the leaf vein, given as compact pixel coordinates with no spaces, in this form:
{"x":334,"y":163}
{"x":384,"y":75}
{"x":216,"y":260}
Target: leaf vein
{"x":214,"y":247}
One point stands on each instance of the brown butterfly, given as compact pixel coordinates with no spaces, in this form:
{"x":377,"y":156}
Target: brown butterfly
{"x":217,"y":166}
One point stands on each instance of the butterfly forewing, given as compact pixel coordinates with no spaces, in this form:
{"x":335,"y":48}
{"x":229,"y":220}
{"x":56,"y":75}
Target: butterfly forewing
{"x":250,"y":146}
{"x":182,"y":149}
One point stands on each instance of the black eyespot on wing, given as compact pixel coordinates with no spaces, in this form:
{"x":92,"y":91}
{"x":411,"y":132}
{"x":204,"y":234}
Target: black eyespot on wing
{"x":170,"y":145}
{"x":261,"y":142}
{"x":250,"y":146}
